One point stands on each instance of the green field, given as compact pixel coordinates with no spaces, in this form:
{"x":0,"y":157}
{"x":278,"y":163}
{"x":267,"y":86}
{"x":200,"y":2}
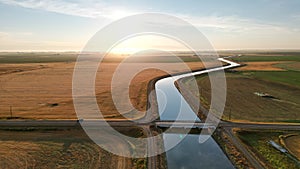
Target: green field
{"x":258,"y":144}
{"x":263,"y":58}
{"x":291,"y":78}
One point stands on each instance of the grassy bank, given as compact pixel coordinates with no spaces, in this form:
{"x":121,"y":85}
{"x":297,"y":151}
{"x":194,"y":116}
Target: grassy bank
{"x":257,"y":142}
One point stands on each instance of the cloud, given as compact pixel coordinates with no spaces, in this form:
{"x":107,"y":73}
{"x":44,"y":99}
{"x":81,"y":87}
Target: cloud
{"x":90,"y":9}
{"x":233,"y":23}
{"x":223,"y":29}
{"x":98,"y":9}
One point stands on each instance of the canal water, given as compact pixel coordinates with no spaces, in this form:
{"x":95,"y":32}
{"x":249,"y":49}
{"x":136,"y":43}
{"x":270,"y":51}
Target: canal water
{"x":189,"y":153}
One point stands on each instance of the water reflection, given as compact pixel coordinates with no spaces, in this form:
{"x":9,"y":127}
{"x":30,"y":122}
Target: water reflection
{"x":189,"y":153}
{"x":171,"y":104}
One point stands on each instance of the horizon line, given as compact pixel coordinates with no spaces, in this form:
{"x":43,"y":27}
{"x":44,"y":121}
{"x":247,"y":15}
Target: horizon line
{"x":79,"y":51}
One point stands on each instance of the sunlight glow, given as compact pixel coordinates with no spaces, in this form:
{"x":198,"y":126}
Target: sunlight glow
{"x":146,"y":42}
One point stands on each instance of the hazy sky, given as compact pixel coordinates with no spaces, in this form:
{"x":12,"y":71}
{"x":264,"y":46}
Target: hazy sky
{"x":228,"y":24}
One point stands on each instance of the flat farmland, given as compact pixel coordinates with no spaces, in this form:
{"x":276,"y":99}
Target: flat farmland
{"x":242,"y":104}
{"x":44,"y":90}
{"x":60,"y":148}
{"x":268,"y":57}
{"x":278,"y":79}
{"x":292,"y":144}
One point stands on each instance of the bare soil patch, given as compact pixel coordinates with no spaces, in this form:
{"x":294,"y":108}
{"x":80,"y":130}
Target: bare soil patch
{"x":294,"y":66}
{"x":261,"y":66}
{"x":293,"y":145}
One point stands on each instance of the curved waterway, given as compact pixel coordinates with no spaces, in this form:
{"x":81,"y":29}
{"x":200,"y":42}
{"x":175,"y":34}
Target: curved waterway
{"x":189,"y":153}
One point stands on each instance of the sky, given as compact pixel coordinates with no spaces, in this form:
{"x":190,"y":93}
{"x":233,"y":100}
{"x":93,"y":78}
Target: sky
{"x":67,"y":25}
